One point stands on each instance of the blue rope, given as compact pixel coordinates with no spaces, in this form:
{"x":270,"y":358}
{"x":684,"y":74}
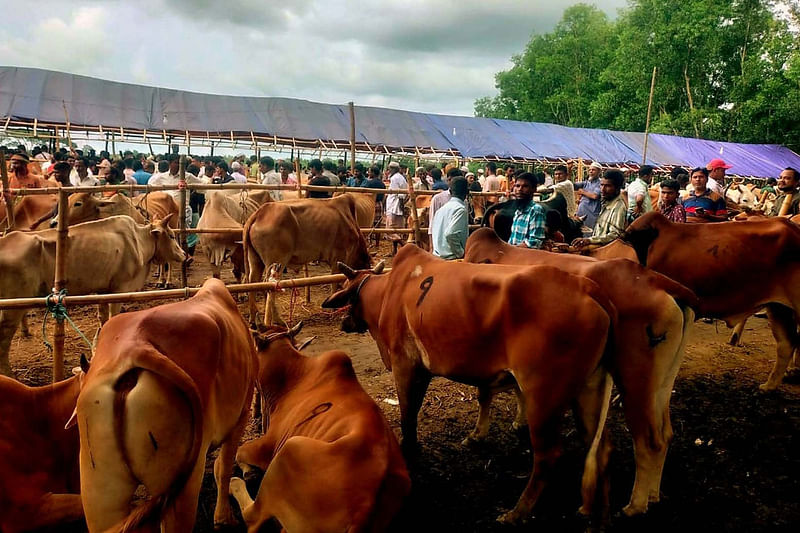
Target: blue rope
{"x":55,"y":307}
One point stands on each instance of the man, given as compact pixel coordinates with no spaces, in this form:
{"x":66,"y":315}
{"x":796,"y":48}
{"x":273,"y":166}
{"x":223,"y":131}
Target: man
{"x":439,"y":199}
{"x":716,"y":176}
{"x":528,"y":226}
{"x":21,"y":178}
{"x":703,"y":204}
{"x":395,"y":218}
{"x":318,"y":178}
{"x":668,"y":201}
{"x":787,"y":202}
{"x":266,"y":175}
{"x":172,"y":177}
{"x":451,"y":223}
{"x":61,"y":172}
{"x":589,"y":195}
{"x":374,"y":181}
{"x":560,"y":173}
{"x":491,"y":183}
{"x":237,"y":174}
{"x":421,"y":179}
{"x":103,"y":169}
{"x":327,"y":171}
{"x":481,"y":177}
{"x":358,"y":179}
{"x":81,"y":176}
{"x":287,"y":177}
{"x":639,"y":201}
{"x":613,"y":213}
{"x":438,"y":184}
{"x":141,"y":175}
{"x":253,"y":169}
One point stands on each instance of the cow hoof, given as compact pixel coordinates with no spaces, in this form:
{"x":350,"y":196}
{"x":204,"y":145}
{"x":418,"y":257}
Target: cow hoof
{"x":512,"y":518}
{"x":516,"y":426}
{"x":225,"y":519}
{"x":734,"y":340}
{"x":792,"y":376}
{"x":473,"y":440}
{"x":631,"y":510}
{"x":767,"y":387}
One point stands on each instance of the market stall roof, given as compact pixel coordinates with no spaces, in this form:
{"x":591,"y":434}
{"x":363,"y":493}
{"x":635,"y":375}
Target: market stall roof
{"x":31,"y":97}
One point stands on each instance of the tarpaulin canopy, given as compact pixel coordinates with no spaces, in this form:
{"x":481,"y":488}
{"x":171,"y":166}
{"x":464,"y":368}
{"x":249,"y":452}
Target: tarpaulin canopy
{"x":43,"y":98}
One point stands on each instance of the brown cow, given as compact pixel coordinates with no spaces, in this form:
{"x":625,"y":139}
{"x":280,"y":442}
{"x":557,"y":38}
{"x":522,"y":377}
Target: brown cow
{"x":228,"y":210}
{"x":331,"y":461}
{"x":165,"y":385}
{"x":647,"y":345}
{"x":39,"y":480}
{"x":521,"y":320}
{"x":109,"y":255}
{"x":704,"y":257}
{"x":299,"y":232}
{"x":30,"y":212}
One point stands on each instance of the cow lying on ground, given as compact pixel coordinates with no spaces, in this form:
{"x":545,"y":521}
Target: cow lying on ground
{"x":39,"y":480}
{"x":703,"y":257}
{"x":521,"y":320}
{"x":228,"y":210}
{"x":110,"y":255}
{"x":647,"y":346}
{"x":165,"y":385}
{"x":331,"y":461}
{"x":299,"y":232}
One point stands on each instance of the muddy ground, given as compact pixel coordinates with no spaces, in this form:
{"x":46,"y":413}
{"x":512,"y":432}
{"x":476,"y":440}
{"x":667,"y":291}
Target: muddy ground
{"x":734,"y":464}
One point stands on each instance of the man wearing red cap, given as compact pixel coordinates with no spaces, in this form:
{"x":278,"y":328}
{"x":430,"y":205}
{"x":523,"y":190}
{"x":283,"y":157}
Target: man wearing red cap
{"x":716,"y":176}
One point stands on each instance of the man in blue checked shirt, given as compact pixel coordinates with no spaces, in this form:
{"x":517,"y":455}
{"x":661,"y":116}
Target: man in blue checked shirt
{"x":527,"y":229}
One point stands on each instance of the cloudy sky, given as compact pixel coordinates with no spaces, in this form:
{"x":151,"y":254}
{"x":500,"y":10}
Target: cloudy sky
{"x":421,"y":55}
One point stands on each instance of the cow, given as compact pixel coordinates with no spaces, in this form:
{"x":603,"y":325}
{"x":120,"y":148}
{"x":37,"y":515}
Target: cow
{"x":364,"y":204}
{"x":703,"y":257}
{"x":299,"y":232}
{"x":110,"y":255}
{"x":165,"y":385}
{"x":30,"y":212}
{"x":521,"y":320}
{"x":85,"y":207}
{"x":647,"y":347}
{"x":228,"y":210}
{"x":39,"y":480}
{"x":353,"y":476}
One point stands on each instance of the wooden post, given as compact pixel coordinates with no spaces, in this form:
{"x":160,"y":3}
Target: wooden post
{"x":297,"y":175}
{"x":182,"y":214}
{"x":6,"y":195}
{"x":414,"y":214}
{"x":352,"y":137}
{"x":60,"y":282}
{"x":649,"y":109}
{"x":308,"y":287}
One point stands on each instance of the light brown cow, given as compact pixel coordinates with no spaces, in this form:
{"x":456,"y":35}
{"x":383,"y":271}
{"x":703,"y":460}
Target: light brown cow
{"x":299,"y":232}
{"x":521,"y":320}
{"x":30,"y":212}
{"x":352,"y":476}
{"x":165,"y":385}
{"x":110,"y":255}
{"x":228,"y":210}
{"x":647,"y":347}
{"x":39,"y":482}
{"x":364,"y":204}
{"x":704,"y":257}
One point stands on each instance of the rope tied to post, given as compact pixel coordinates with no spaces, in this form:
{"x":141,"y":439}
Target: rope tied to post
{"x":55,"y":307}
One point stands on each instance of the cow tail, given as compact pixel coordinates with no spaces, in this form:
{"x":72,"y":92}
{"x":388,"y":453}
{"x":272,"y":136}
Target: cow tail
{"x":679,"y":292}
{"x":152,"y":511}
{"x":591,"y":469}
{"x":246,"y":249}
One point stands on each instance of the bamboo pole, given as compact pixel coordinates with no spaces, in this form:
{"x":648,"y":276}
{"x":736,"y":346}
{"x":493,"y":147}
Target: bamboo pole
{"x":182,"y":214}
{"x":60,"y":282}
{"x":352,"y":137}
{"x":649,"y":110}
{"x":308,"y":287}
{"x":414,"y":215}
{"x":7,"y":198}
{"x":297,"y":172}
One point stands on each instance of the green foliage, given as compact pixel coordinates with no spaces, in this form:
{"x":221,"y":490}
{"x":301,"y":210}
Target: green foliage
{"x":727,"y":69}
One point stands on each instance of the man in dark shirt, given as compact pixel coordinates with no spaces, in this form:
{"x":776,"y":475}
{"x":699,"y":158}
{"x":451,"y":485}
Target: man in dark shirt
{"x":438,"y":183}
{"x":317,"y":178}
{"x":374,"y":181}
{"x":788,"y":194}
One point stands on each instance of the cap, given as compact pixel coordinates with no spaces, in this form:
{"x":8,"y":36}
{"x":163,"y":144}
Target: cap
{"x":480,"y":171}
{"x":418,"y":169}
{"x":394,"y":164}
{"x":717,"y":163}
{"x":236,"y":166}
{"x":20,"y":157}
{"x":469,"y":174}
{"x":595,"y":164}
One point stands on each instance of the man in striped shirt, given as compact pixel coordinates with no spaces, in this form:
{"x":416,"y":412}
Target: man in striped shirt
{"x":704,"y":205}
{"x":528,"y":226}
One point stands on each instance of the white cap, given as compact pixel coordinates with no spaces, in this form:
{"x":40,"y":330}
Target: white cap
{"x":480,"y":171}
{"x":595,"y":164}
{"x":236,"y":165}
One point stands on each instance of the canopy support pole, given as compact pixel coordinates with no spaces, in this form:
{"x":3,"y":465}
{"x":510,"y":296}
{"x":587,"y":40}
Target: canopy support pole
{"x":352,"y":137}
{"x":649,"y":110}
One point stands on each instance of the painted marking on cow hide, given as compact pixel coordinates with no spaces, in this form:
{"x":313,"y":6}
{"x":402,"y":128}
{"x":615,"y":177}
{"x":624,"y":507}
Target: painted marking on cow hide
{"x":714,"y":250}
{"x":425,"y":286}
{"x":417,"y":272}
{"x":153,"y":441}
{"x":654,"y":339}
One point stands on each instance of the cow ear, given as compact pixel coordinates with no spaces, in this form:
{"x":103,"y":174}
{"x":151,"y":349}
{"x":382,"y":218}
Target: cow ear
{"x":85,"y":365}
{"x":337,"y":299}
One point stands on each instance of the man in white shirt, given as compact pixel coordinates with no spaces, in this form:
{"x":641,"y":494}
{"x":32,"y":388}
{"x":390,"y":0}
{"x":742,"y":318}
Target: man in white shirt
{"x":268,"y":176}
{"x":81,"y":176}
{"x":492,"y":182}
{"x":236,"y":173}
{"x":394,"y":205}
{"x":639,"y":201}
{"x":716,"y":176}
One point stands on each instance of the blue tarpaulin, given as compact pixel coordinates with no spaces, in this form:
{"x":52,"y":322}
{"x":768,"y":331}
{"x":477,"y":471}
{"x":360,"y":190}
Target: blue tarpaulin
{"x":28,"y":94}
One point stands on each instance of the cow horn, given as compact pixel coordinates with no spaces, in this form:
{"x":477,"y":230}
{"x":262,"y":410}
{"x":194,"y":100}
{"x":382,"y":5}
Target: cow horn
{"x":379,"y":267}
{"x":296,"y":329}
{"x":346,"y":270}
{"x":306,"y":343}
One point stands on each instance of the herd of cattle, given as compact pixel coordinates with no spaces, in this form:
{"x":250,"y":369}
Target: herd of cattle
{"x":123,"y":443}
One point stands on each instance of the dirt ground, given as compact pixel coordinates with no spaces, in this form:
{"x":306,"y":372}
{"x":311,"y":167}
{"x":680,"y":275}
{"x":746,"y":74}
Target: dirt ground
{"x":734,"y":464}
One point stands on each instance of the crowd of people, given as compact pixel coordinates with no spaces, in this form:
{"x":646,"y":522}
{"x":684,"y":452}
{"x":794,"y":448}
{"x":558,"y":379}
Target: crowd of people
{"x":606,"y":201}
